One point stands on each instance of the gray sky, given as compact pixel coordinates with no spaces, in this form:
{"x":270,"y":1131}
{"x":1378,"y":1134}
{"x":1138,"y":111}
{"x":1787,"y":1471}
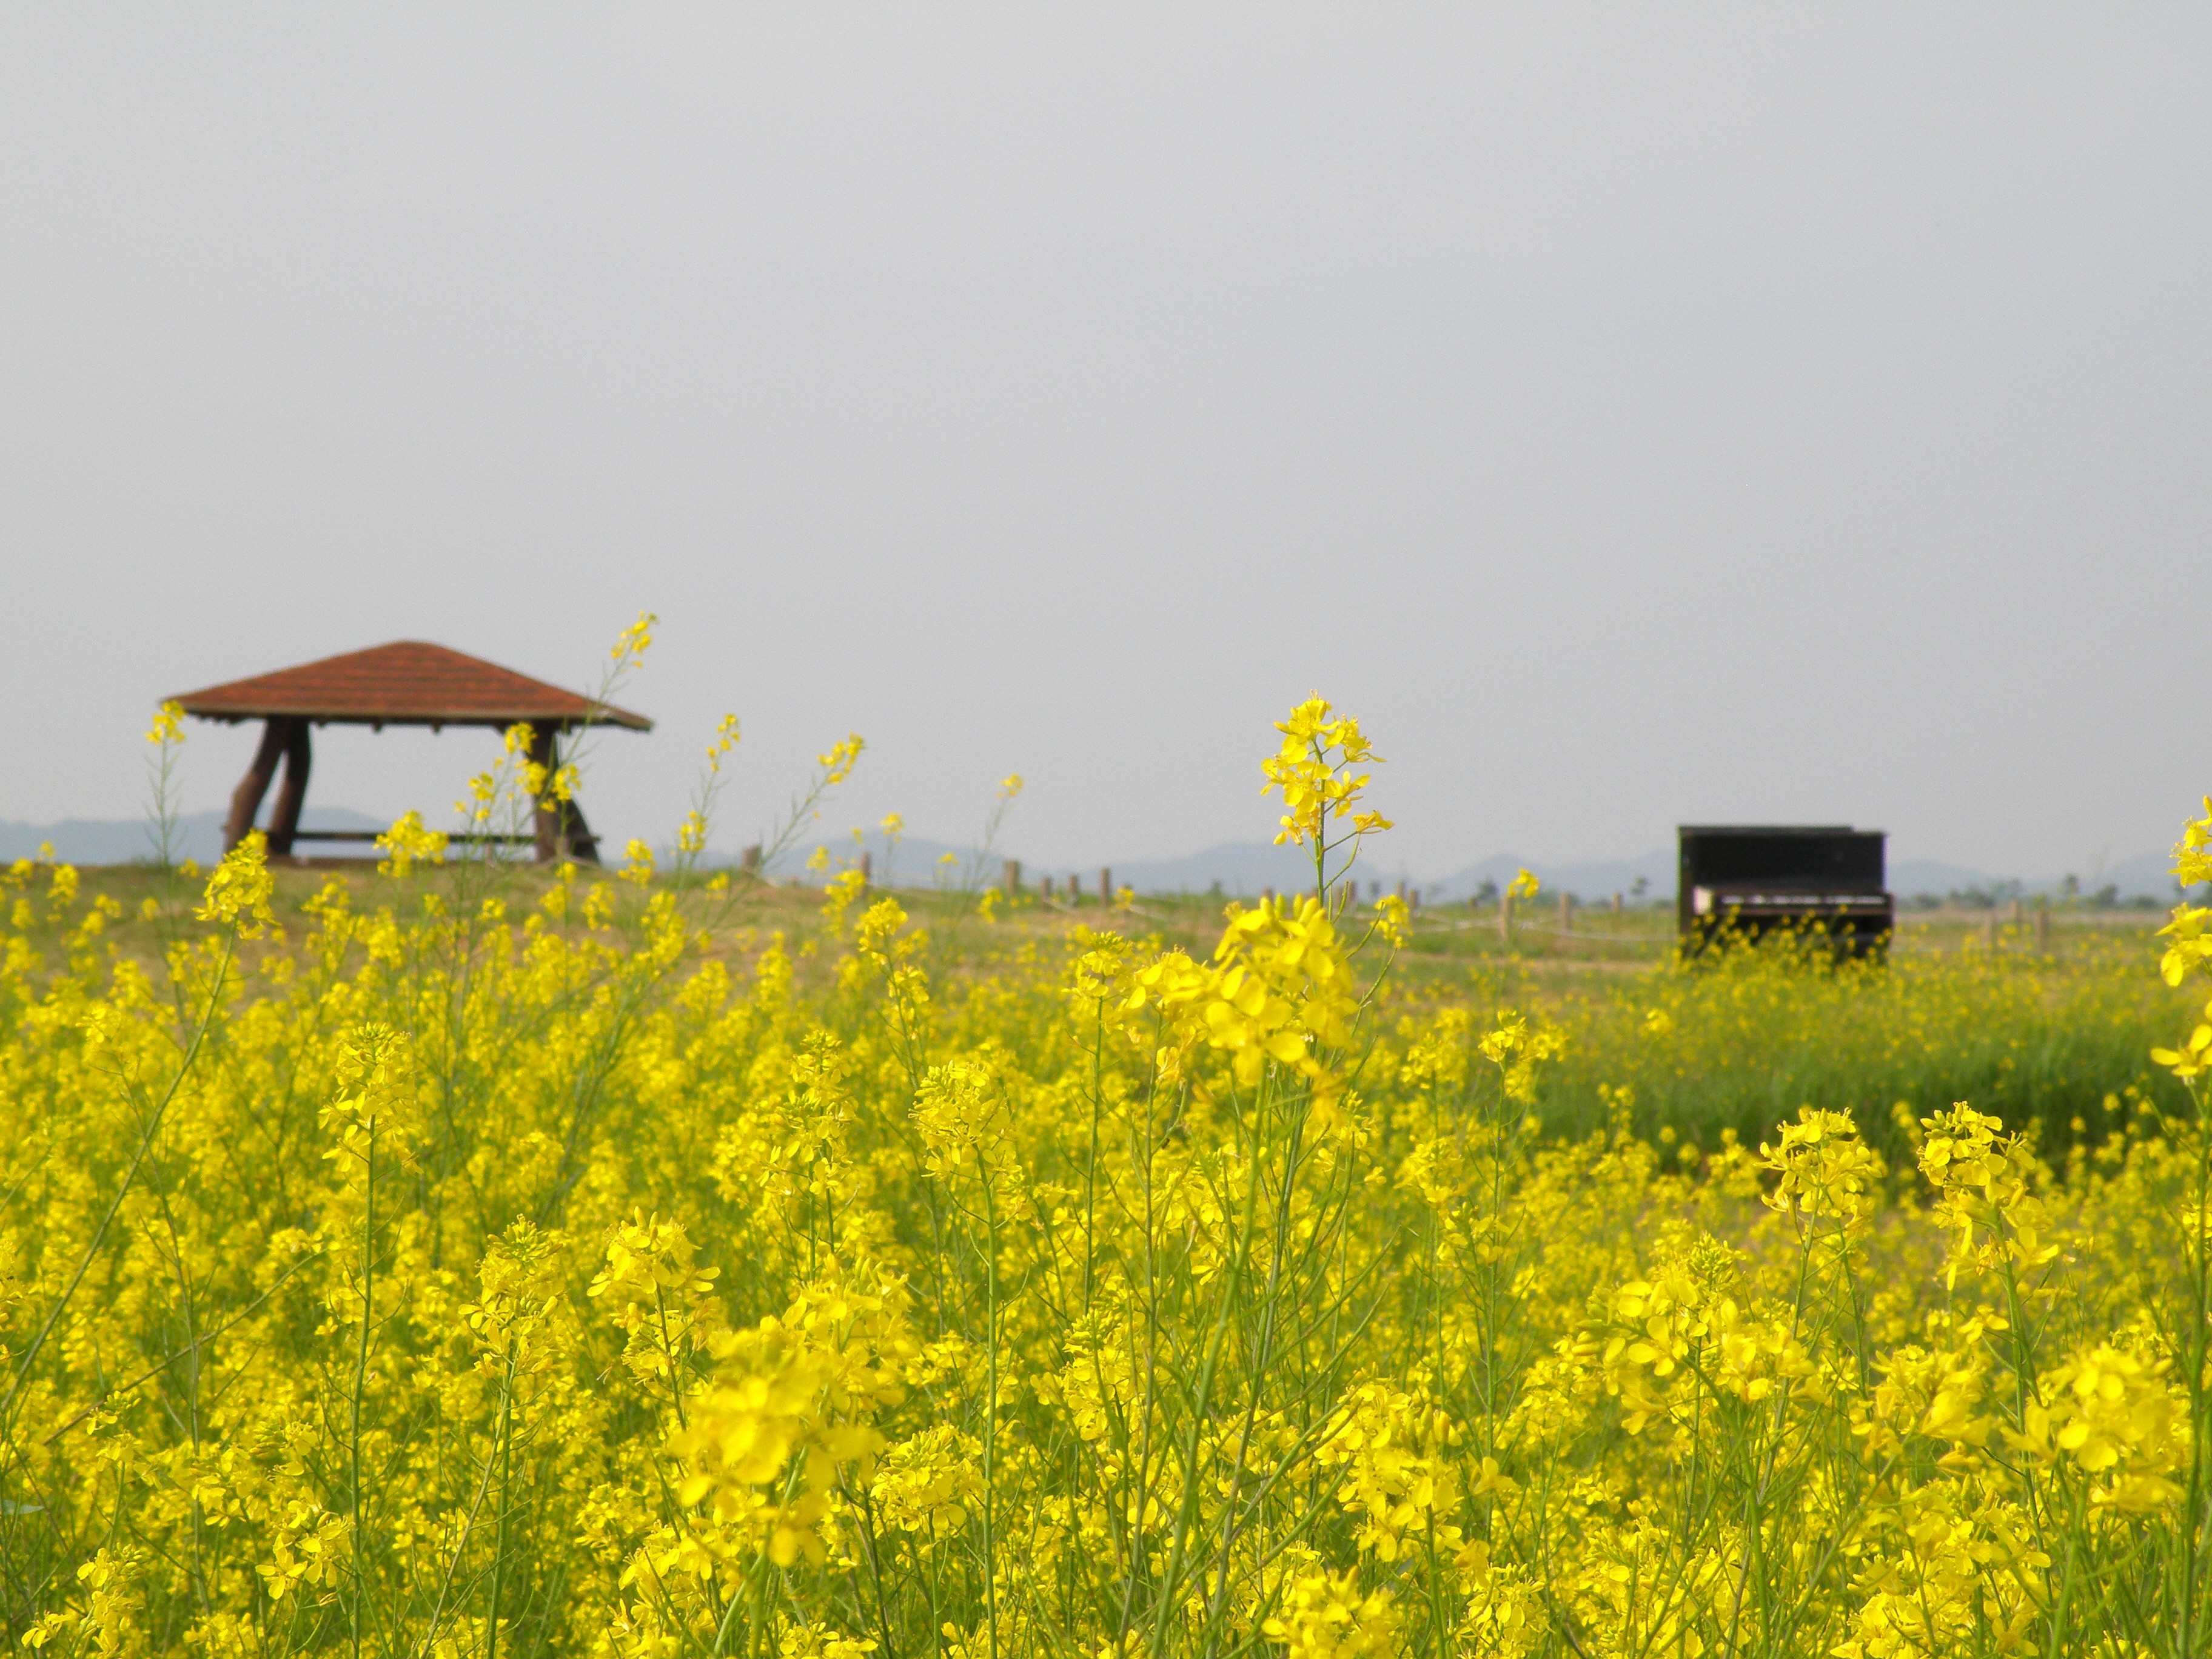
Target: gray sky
{"x":1634,"y":415}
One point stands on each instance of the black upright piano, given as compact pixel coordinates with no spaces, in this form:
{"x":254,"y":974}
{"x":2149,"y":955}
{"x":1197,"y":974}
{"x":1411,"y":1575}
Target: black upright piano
{"x":1749,"y":880}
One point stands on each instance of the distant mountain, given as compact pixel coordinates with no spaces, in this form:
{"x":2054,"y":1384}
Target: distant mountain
{"x":131,"y":841}
{"x":1244,"y":867}
{"x":1239,"y":868}
{"x":1909,"y":876}
{"x":1592,"y":880}
{"x":912,"y":863}
{"x":2151,"y":874}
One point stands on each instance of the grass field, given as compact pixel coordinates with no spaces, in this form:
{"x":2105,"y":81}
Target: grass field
{"x":2053,"y":1035}
{"x":471,"y":1259}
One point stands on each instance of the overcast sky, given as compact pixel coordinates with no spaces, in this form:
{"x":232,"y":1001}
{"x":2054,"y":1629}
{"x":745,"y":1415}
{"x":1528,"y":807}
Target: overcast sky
{"x":1635,"y":415}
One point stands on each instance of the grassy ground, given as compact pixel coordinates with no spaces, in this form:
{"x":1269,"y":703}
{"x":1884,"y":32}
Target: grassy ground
{"x":2057,"y":1035}
{"x":1595,"y":938}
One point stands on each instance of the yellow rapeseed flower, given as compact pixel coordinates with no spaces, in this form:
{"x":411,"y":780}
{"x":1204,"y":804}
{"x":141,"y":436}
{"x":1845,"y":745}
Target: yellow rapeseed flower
{"x":238,"y":891}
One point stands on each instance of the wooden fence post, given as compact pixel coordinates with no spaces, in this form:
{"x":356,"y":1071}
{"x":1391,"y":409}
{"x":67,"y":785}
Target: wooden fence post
{"x":2043,"y":927}
{"x":1105,"y":888}
{"x":1013,"y":878}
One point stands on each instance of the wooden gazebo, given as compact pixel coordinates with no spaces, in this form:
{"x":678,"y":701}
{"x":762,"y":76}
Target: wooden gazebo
{"x":406,"y":683}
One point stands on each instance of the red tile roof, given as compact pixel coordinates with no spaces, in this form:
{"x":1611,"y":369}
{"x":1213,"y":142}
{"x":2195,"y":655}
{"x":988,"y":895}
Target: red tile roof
{"x":406,"y":683}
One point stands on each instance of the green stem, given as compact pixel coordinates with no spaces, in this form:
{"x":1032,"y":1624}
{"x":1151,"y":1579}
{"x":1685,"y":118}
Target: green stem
{"x":1202,"y":1404}
{"x":361,"y":1376}
{"x":991,"y":1405}
{"x":505,"y":1501}
{"x":2193,"y":1515}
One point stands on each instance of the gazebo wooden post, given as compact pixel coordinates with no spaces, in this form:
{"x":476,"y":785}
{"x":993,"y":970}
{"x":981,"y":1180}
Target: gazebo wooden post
{"x":246,"y":799}
{"x":546,"y":819}
{"x":284,"y":817}
{"x":582,"y":846}
{"x":561,"y":832}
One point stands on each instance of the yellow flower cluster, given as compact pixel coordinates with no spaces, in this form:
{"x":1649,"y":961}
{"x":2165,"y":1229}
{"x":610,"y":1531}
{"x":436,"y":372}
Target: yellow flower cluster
{"x":481,"y":1262}
{"x":238,"y":893}
{"x":1277,"y":992}
{"x":1313,"y":769}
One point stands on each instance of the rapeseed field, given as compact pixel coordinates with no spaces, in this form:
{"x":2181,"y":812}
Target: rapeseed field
{"x":452,"y":1263}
